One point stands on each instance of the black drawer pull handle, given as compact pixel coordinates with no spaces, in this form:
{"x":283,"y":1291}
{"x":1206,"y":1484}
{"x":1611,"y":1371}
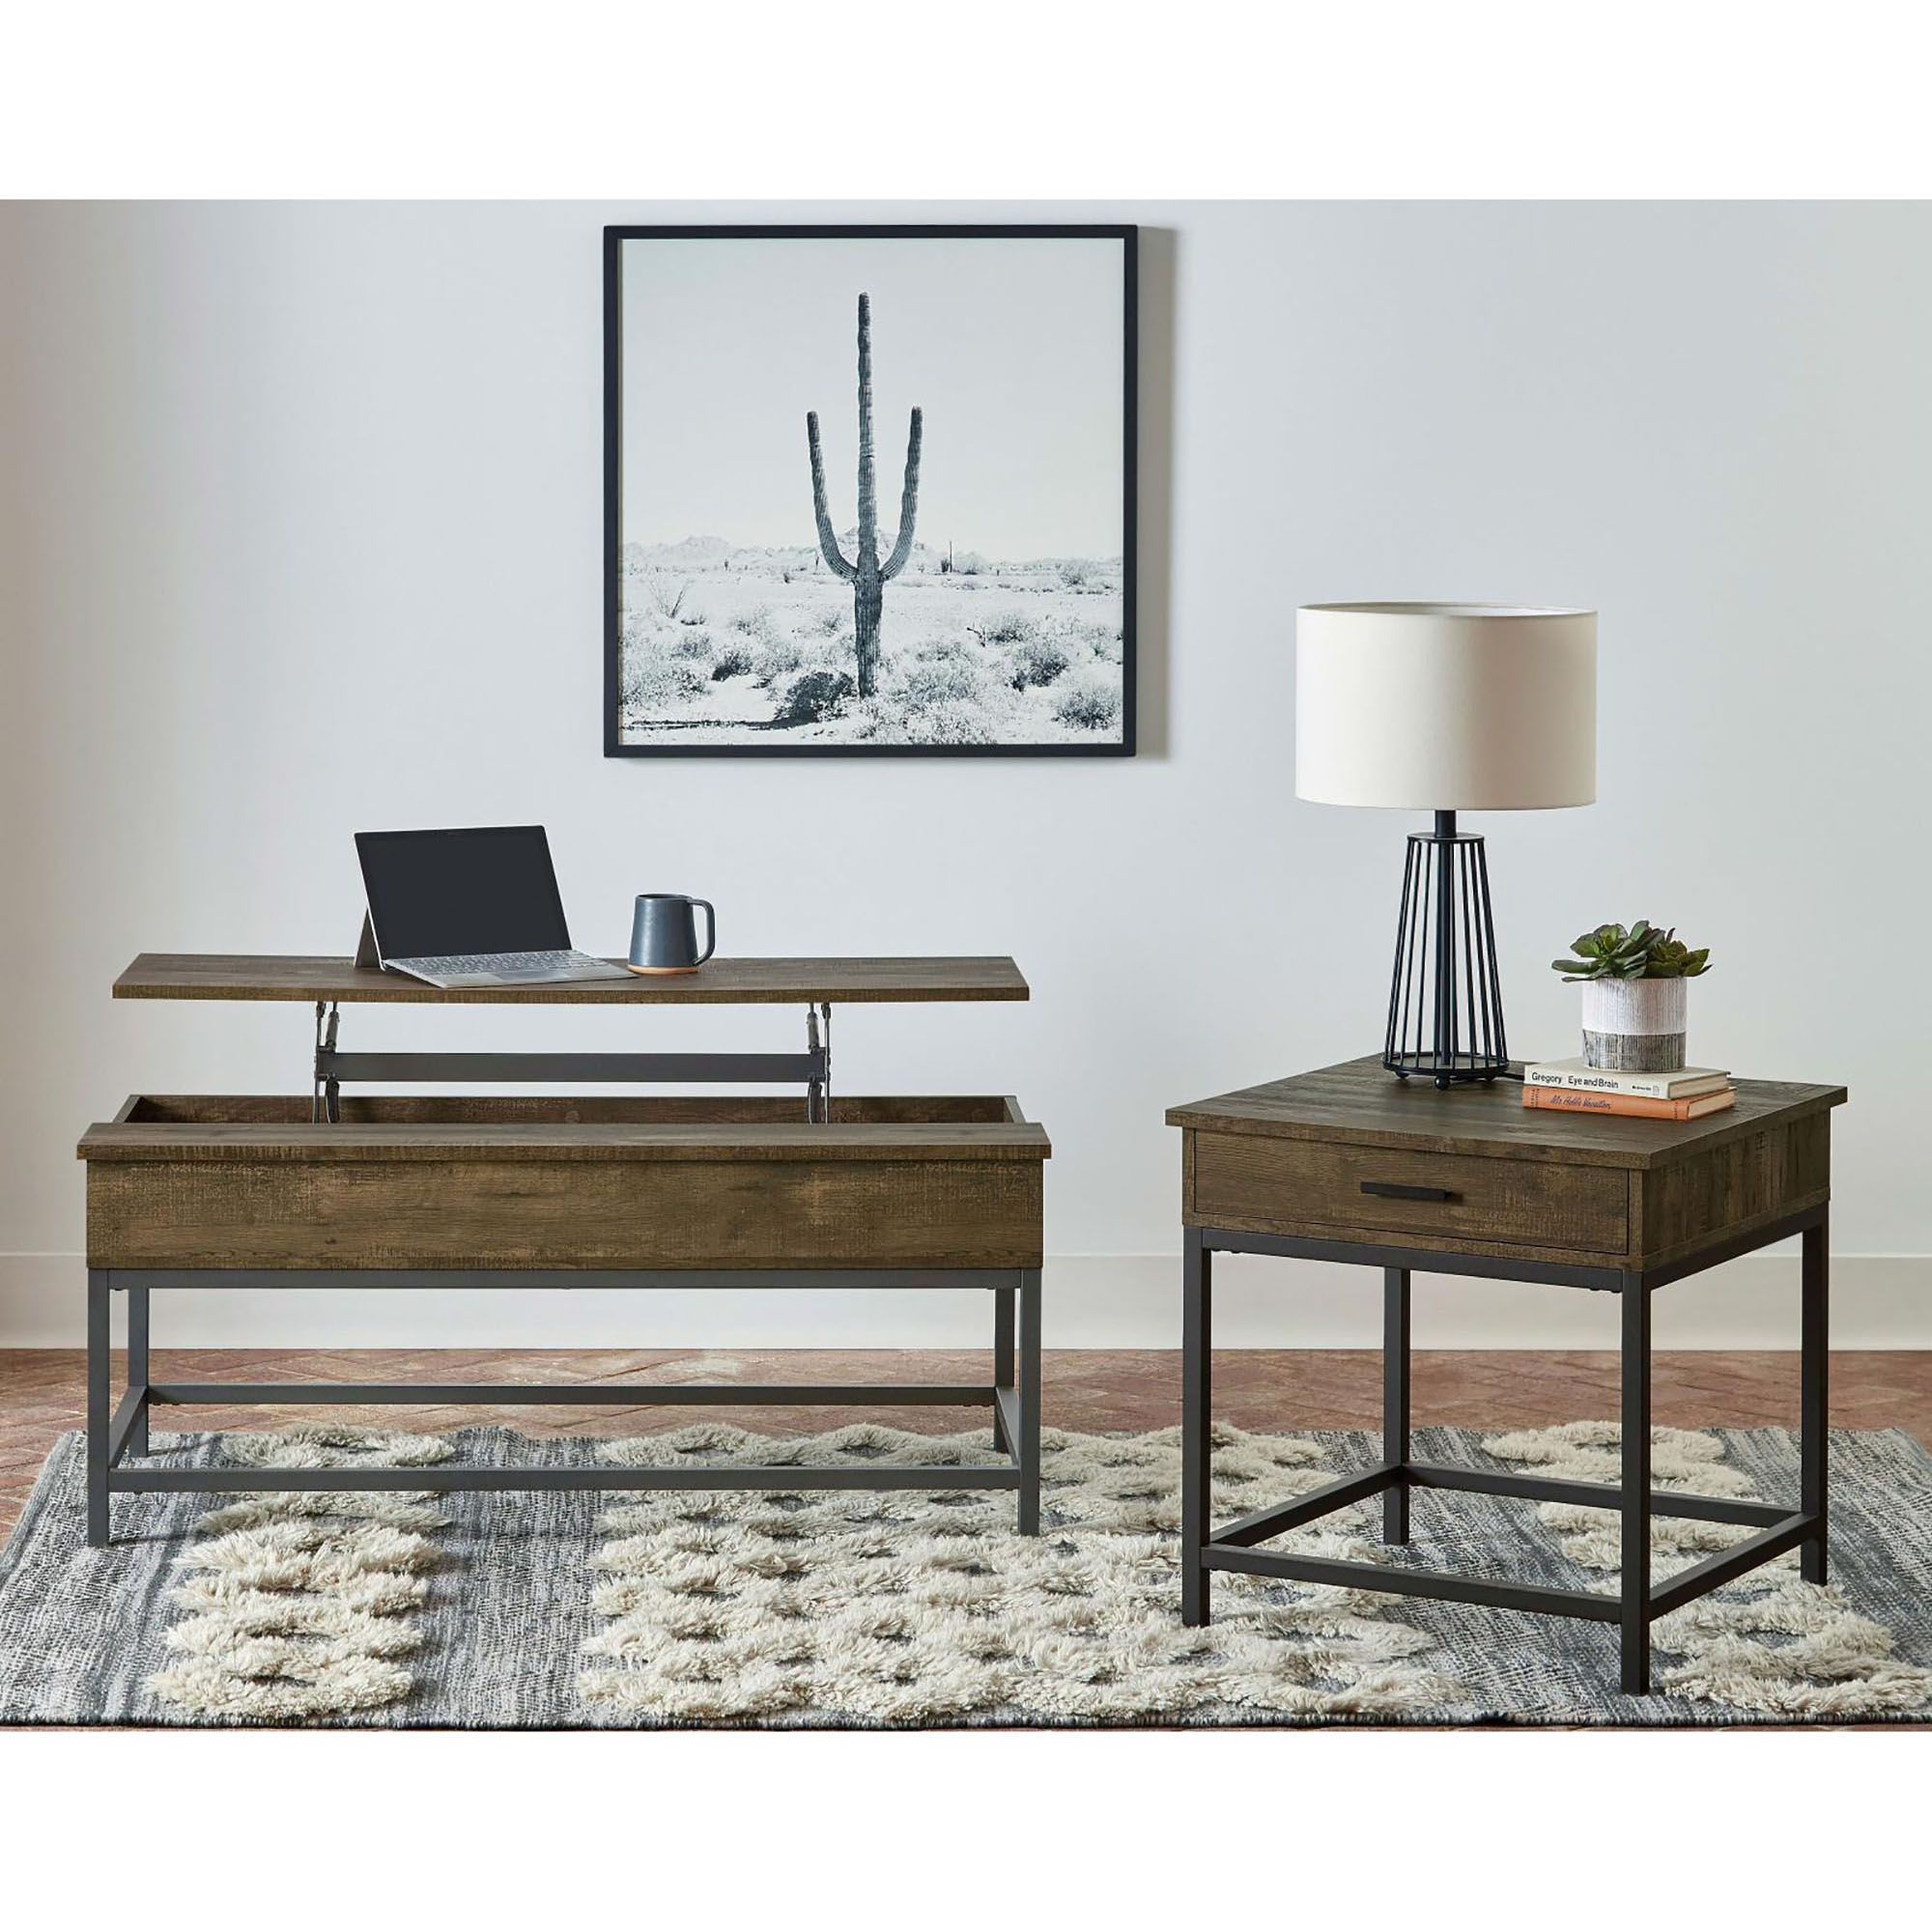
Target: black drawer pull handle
{"x":1395,"y":1190}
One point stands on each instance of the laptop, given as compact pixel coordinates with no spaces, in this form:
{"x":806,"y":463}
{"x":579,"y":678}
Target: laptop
{"x":472,"y":907}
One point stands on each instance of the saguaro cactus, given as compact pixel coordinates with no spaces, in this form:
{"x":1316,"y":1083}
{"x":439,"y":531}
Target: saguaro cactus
{"x":867,"y":576}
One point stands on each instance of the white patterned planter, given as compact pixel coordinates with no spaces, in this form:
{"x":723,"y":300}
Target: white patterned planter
{"x":1634,"y":1025}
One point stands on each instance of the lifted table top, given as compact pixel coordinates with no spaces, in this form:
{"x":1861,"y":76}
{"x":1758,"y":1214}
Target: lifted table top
{"x":742,"y":982}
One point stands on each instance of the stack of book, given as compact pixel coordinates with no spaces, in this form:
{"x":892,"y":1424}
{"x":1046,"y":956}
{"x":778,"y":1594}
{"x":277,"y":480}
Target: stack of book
{"x":1569,"y":1086}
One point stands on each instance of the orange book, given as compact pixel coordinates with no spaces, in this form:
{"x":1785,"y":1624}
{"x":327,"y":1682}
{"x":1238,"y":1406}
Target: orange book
{"x":1567,"y":1100}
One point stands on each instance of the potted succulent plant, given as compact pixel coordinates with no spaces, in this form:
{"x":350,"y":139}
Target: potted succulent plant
{"x":1633,"y":995}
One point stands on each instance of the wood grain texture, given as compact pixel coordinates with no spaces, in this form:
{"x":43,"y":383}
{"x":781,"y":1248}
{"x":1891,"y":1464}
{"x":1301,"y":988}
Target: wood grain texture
{"x":1358,"y":1101}
{"x":556,"y":1214}
{"x":1728,"y":1190}
{"x":1314,"y":1187}
{"x":279,"y":976}
{"x":1289,"y":1158}
{"x":652,"y":1181}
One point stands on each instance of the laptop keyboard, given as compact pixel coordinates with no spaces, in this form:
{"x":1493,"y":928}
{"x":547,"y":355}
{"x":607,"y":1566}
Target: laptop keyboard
{"x":497,"y":962}
{"x":500,"y":968}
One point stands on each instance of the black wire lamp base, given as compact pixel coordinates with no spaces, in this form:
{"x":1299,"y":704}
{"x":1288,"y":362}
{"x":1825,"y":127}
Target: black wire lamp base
{"x":1445,"y":1020}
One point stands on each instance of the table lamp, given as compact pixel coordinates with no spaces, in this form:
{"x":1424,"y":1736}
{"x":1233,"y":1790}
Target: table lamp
{"x":1445,"y":708}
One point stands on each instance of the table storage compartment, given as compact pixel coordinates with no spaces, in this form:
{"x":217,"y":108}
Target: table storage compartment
{"x":535,"y":1182}
{"x":1243,"y":1181}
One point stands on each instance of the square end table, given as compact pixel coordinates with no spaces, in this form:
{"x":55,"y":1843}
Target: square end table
{"x":1349,"y":1164}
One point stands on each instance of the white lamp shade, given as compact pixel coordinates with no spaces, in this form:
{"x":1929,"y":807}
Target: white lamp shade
{"x":1445,"y":708}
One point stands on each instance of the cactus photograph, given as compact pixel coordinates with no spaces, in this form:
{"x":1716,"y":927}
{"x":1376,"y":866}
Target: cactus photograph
{"x":869,"y":491}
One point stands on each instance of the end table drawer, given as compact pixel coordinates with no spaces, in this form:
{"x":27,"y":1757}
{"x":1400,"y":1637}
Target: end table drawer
{"x":1245,"y":1179}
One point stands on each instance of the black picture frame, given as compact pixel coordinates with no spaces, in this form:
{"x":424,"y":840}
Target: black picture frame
{"x":615,"y":236}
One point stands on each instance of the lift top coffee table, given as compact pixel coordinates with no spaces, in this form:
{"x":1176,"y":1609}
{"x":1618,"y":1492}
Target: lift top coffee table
{"x":1349,"y":1164}
{"x":328,"y":1189}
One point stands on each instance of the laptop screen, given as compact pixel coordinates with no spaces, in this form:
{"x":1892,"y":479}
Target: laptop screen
{"x":491,"y":889}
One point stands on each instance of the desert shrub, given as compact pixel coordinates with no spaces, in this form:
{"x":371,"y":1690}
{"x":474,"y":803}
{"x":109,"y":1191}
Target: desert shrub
{"x":817,"y":694}
{"x":1039,"y":660}
{"x":691,"y":643}
{"x":1089,"y":702}
{"x":947,"y":696}
{"x":1073,"y":573}
{"x":1009,"y":627}
{"x":829,"y":621}
{"x":1089,"y":631}
{"x":950,"y":721}
{"x":654,"y":680}
{"x":733,"y":661}
{"x":1090,"y":634}
{"x":669,"y":601}
{"x":941,"y":677}
{"x":776,"y":658}
{"x":951,"y":650}
{"x":755,"y":624}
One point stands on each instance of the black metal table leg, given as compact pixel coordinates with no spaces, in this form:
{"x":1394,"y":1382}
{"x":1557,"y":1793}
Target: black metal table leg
{"x":111,"y":1430}
{"x":99,"y":1364}
{"x":137,"y":1366}
{"x":1002,"y":1363}
{"x":1395,"y":1400}
{"x":1234,"y":1547}
{"x":1029,"y":1387}
{"x":1814,"y":1399}
{"x":1196,"y":1422}
{"x":1635,"y":1616}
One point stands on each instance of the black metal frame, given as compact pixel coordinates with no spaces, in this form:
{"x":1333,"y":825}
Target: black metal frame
{"x":1637,"y":1603}
{"x":1453,"y":1004}
{"x":118,"y":1432}
{"x":1127,"y":234}
{"x":332,"y":1066}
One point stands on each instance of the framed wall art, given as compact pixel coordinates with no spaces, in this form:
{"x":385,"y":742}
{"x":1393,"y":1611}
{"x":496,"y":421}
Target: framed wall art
{"x":869,"y":491}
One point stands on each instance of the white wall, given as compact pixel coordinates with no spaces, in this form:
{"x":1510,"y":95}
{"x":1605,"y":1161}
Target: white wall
{"x":300,"y":535}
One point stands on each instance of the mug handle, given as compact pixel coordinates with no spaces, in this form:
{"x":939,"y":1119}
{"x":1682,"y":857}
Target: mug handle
{"x":710,"y":930}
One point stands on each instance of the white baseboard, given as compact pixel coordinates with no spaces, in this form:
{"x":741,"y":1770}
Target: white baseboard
{"x":1093,"y":1301}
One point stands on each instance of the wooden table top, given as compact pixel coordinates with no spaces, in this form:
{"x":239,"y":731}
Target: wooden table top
{"x":1360,"y":1101}
{"x":723,"y":982}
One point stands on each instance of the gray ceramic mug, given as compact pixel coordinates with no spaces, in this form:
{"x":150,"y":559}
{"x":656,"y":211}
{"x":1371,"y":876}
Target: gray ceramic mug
{"x":664,"y":933}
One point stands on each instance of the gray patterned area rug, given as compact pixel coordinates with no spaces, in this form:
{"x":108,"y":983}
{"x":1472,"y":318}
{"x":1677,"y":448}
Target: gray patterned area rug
{"x":848,"y":1609}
